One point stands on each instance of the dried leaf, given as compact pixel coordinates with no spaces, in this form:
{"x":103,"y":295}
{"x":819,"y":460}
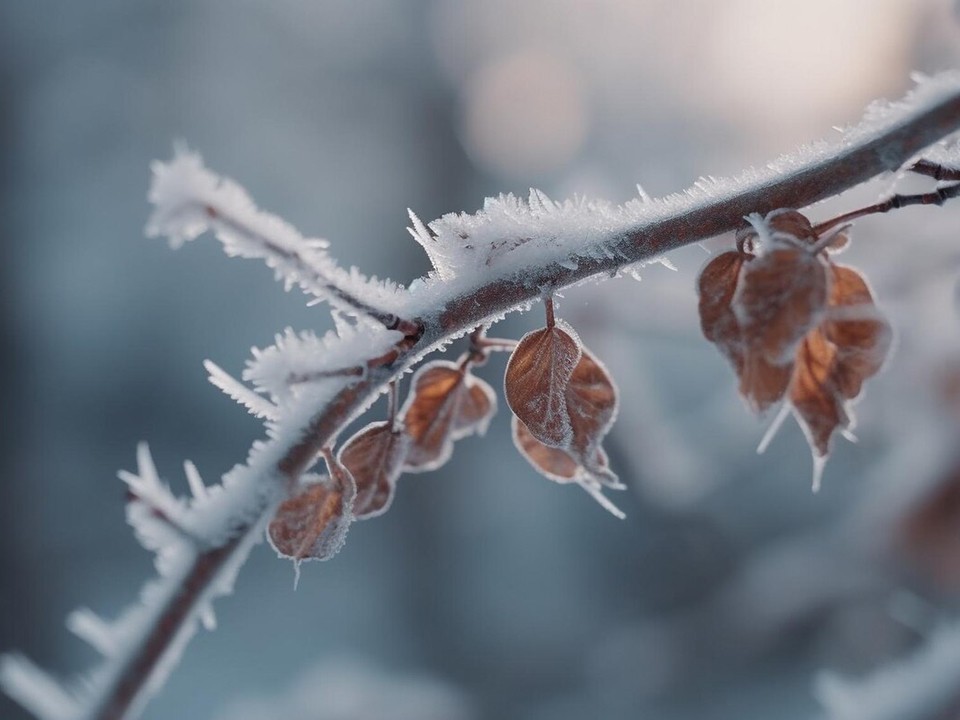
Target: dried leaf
{"x":861,"y":334}
{"x":716,"y":287}
{"x":313,"y":524}
{"x":374,"y":457}
{"x":819,"y":406}
{"x":553,"y":463}
{"x":558,"y":465}
{"x":781,"y":296}
{"x":839,"y":242}
{"x":763,"y":384}
{"x":536,"y":381}
{"x":446,"y":404}
{"x":592,"y":401}
{"x":477,"y":408}
{"x":791,"y":225}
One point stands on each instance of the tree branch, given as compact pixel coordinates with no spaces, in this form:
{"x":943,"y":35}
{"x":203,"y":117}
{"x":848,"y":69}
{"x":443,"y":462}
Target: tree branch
{"x":446,"y":311}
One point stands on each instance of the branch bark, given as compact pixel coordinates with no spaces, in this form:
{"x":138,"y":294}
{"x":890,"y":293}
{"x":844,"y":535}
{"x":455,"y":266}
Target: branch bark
{"x":461,"y":312}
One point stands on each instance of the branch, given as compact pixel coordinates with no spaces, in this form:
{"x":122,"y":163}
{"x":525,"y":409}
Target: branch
{"x":501,"y":259}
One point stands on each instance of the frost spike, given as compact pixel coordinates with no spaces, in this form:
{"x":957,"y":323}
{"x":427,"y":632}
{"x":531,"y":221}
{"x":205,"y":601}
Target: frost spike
{"x":147,"y":487}
{"x":35,"y":690}
{"x":197,"y":487}
{"x":94,"y":630}
{"x":594,"y":490}
{"x":255,"y":404}
{"x":419,"y":231}
{"x":207,"y":616}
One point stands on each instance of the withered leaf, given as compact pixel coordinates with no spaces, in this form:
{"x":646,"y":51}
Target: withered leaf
{"x":592,"y":401}
{"x":313,"y":524}
{"x":715,"y":288}
{"x":854,"y":325}
{"x":477,"y":407}
{"x":446,"y":403}
{"x":791,"y":223}
{"x":839,"y":242}
{"x":763,"y":384}
{"x":820,"y":407}
{"x":781,"y":296}
{"x":536,"y":381}
{"x":374,"y":457}
{"x":553,"y":463}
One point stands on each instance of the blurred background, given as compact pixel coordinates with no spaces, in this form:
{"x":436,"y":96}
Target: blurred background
{"x":487,"y":591}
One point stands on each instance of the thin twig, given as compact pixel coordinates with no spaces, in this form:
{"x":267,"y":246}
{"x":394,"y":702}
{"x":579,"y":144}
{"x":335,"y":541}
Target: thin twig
{"x":894,"y":202}
{"x":497,"y":344}
{"x":935,"y":170}
{"x":393,"y":403}
{"x":315,"y":375}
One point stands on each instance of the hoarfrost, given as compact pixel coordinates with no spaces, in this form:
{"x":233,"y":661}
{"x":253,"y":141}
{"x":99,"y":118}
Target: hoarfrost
{"x":299,"y":359}
{"x":189,"y":199}
{"x":36,"y":690}
{"x":255,"y":404}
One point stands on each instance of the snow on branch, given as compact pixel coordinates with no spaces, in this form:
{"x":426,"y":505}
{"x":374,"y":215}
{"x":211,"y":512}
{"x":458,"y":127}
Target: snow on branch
{"x":189,"y":199}
{"x":298,"y":359}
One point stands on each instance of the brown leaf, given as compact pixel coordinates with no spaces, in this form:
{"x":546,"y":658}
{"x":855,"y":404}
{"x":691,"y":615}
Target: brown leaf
{"x":446,"y":404}
{"x":374,"y":456}
{"x":861,"y":334}
{"x":553,"y":463}
{"x":536,"y":381}
{"x":781,"y":296}
{"x":840,"y":241}
{"x":477,"y":407}
{"x":313,"y":524}
{"x":716,"y":287}
{"x":592,"y":400}
{"x":820,"y":407}
{"x":792,"y":224}
{"x":763,"y":384}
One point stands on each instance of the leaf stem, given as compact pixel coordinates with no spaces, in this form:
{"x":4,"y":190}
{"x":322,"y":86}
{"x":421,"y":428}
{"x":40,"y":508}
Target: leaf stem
{"x":548,"y":305}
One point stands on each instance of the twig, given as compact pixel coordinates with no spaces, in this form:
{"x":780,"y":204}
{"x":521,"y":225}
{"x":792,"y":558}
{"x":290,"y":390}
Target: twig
{"x":935,"y":170}
{"x":894,"y":202}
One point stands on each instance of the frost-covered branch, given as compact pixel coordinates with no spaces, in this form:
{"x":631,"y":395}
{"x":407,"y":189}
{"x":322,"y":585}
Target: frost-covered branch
{"x":506,"y":256}
{"x":189,"y":200}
